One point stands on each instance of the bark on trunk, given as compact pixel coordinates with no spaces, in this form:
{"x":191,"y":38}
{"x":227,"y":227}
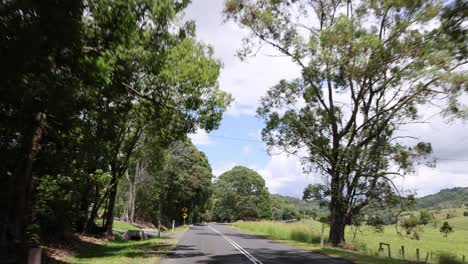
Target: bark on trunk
{"x":111,"y":204}
{"x":21,"y":209}
{"x":337,"y":228}
{"x":89,"y":227}
{"x":337,"y":212}
{"x":131,"y":195}
{"x":133,"y":183}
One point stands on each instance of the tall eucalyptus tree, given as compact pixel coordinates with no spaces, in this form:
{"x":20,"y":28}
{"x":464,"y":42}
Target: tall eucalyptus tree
{"x":366,"y":66}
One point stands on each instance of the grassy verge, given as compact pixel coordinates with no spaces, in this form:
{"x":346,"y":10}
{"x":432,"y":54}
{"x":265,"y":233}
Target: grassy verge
{"x":120,"y":251}
{"x":365,"y":245}
{"x":355,"y":257}
{"x":179,"y":229}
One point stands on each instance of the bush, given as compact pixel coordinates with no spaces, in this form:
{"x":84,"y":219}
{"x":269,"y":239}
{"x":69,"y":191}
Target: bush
{"x":450,"y":216}
{"x":409,"y":223}
{"x":445,"y":229}
{"x":448,"y":259}
{"x":425,"y":217}
{"x":465,"y":213}
{"x":376,"y":222}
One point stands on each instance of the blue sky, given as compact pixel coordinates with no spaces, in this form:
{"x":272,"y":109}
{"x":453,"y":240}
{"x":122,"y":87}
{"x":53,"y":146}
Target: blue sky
{"x":237,"y":141}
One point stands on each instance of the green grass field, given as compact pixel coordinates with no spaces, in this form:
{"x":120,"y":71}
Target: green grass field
{"x":307,"y":234}
{"x":120,"y":251}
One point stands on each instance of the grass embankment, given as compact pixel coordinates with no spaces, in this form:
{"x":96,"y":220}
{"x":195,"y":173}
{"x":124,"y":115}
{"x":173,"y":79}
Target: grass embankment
{"x":121,"y":251}
{"x":307,"y":235}
{"x":179,"y":229}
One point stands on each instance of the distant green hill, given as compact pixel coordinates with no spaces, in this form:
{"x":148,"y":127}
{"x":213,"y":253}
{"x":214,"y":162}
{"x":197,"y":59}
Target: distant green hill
{"x":446,"y":198}
{"x":285,"y":207}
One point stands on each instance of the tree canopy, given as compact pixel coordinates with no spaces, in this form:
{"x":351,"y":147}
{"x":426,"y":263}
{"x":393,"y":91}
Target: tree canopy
{"x":87,"y":84}
{"x":241,"y":194}
{"x":367,"y":67}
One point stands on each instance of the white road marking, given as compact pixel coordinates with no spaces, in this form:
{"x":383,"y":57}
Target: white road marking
{"x":238,"y":247}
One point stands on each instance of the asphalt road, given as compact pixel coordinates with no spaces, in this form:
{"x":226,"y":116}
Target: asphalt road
{"x":216,"y":243}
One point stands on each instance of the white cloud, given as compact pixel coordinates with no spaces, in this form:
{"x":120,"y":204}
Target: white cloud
{"x":200,"y":138}
{"x":223,"y":167}
{"x":430,"y":180}
{"x":283,"y":175}
{"x":247,"y":81}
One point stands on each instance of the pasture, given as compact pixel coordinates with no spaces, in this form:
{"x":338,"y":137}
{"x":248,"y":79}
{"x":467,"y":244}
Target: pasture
{"x":367,"y":240}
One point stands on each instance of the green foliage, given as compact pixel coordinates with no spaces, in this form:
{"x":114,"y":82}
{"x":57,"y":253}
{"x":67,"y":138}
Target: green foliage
{"x":465,"y":213}
{"x":410,"y":224}
{"x":446,"y":228}
{"x":109,"y":77}
{"x":446,"y":198}
{"x":316,"y":192}
{"x":287,"y":208}
{"x":425,"y":217}
{"x":240,"y":194}
{"x":181,"y":177}
{"x":376,"y":222}
{"x":351,"y":60}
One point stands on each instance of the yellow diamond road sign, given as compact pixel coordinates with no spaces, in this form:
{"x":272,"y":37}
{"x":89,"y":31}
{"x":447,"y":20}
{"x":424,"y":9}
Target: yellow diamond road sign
{"x":184,"y":215}
{"x":184,"y":210}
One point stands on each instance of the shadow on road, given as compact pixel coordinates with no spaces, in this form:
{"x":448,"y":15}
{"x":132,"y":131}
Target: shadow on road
{"x":183,"y":251}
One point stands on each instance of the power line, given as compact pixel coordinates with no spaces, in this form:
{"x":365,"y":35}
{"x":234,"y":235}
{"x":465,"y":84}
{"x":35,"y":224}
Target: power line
{"x":235,"y":138}
{"x":453,"y":159}
{"x":258,"y":141}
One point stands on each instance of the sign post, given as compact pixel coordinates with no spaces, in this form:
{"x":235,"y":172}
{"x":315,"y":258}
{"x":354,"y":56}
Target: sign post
{"x":184,"y":213}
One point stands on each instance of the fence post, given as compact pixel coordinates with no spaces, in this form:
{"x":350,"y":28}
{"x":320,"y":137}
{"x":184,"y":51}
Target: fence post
{"x":427,"y":257}
{"x":173,"y":225}
{"x":389,"y":254}
{"x":403,"y":252}
{"x":417,"y":254}
{"x":463,"y":259}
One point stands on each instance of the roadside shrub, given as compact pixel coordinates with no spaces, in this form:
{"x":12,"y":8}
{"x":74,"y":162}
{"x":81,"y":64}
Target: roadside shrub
{"x":445,"y":258}
{"x":360,"y":246}
{"x":465,"y":213}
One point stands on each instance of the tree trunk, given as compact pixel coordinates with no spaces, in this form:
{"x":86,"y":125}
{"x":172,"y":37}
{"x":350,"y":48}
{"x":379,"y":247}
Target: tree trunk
{"x":111,"y":204}
{"x":337,"y":213}
{"x":129,"y":203}
{"x":89,"y":227}
{"x":21,"y":209}
{"x":132,"y":206}
{"x":337,"y":228}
